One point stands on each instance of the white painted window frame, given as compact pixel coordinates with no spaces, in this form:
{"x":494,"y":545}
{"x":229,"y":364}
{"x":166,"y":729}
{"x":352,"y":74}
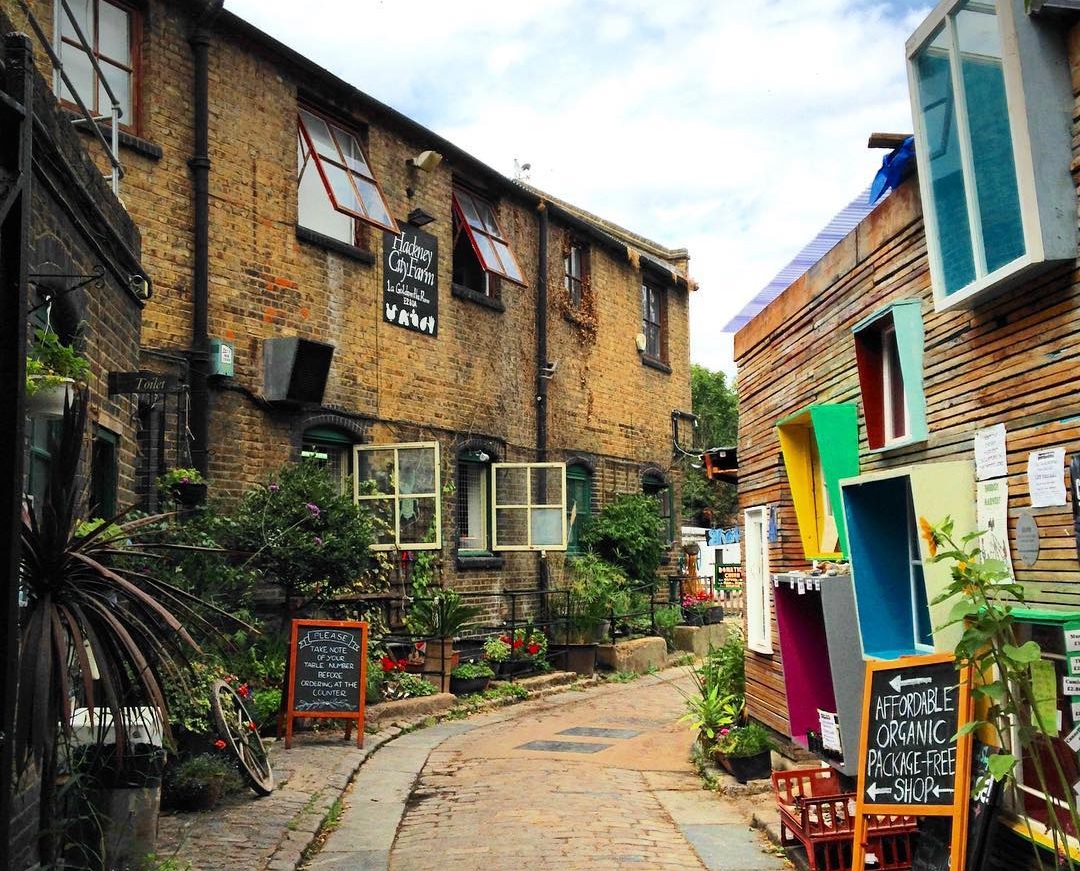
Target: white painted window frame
{"x":528,"y":507}
{"x":758,"y":580}
{"x":395,"y":497}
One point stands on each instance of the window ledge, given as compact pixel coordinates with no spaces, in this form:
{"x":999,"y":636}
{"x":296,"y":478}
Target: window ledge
{"x":479,"y":560}
{"x":899,"y":443}
{"x":655,"y":363}
{"x":335,"y":245}
{"x":127,"y":140}
{"x":471,"y":295}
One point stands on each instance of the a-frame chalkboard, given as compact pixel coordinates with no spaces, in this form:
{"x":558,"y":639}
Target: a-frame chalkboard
{"x":909,"y":763}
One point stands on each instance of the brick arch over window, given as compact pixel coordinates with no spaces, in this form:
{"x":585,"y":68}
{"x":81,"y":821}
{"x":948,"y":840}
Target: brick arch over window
{"x":358,"y":429}
{"x":328,"y":439}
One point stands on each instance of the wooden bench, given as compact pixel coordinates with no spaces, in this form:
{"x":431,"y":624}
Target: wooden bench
{"x":816,"y":813}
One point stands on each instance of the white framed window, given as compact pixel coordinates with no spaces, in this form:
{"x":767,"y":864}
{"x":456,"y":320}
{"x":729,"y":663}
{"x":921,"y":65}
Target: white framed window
{"x":922,"y":628}
{"x":987,"y":83}
{"x":758,"y":586}
{"x":335,"y":184}
{"x":529,"y":506}
{"x":401,"y":484}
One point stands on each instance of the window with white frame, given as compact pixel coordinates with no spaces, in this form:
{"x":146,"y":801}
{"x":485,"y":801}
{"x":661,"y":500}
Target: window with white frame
{"x":111,"y":31}
{"x":400,"y":484}
{"x":335,"y":185}
{"x":758,"y":583}
{"x":473,"y":490}
{"x":982,"y":76}
{"x":529,"y":501}
{"x":923,"y":630}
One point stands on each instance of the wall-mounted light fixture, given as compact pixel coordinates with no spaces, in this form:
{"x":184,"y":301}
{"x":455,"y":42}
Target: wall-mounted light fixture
{"x":425,"y":160}
{"x":418,"y":217}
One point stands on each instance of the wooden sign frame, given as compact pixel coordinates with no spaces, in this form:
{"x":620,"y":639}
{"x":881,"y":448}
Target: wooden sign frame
{"x":958,"y":808}
{"x":361,"y":670}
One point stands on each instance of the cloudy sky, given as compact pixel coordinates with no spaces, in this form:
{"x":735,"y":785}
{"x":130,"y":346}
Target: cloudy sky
{"x":735,"y":129}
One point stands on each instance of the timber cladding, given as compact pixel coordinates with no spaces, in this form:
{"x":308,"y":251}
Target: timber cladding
{"x":1013,"y":360}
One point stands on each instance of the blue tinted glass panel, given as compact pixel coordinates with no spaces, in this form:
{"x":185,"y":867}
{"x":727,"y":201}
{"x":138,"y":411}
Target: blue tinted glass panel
{"x":937,"y":105}
{"x":991,"y":138}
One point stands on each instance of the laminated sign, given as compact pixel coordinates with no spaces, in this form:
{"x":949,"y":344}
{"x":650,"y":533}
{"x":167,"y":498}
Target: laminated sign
{"x":910,"y":763}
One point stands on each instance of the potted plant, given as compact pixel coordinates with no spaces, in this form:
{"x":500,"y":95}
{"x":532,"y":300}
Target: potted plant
{"x":525,"y":651}
{"x":744,"y":751}
{"x":199,"y":783}
{"x":185,"y":486}
{"x":470,"y":677}
{"x":700,"y":607}
{"x":437,"y":619}
{"x":53,"y":369}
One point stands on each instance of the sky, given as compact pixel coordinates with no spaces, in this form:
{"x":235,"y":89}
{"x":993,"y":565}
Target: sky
{"x":733,"y":129}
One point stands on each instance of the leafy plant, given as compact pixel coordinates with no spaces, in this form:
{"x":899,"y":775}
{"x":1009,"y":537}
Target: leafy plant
{"x":708,"y":710}
{"x":402,"y":685}
{"x":472,"y":671}
{"x":167,"y":482}
{"x":442,"y":615}
{"x":631,"y":534}
{"x":201,"y":781}
{"x":1002,"y":674}
{"x":748,"y":740}
{"x":666,"y":619}
{"x":698,"y":603}
{"x":49,"y":363}
{"x":724,"y":666}
{"x":496,"y":650}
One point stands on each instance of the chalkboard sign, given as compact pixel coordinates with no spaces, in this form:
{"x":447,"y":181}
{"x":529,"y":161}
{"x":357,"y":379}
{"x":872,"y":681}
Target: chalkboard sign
{"x":328,"y":672}
{"x":910,"y":762}
{"x":909,"y":755}
{"x":411,"y":280}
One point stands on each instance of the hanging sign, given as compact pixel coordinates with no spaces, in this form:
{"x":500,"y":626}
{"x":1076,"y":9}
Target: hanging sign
{"x":327,"y":673}
{"x":411,"y":280}
{"x":909,"y":763}
{"x":141,"y":382}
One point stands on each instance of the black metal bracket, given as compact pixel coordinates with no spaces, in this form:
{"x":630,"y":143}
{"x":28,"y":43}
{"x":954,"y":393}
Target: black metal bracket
{"x":48,"y":293}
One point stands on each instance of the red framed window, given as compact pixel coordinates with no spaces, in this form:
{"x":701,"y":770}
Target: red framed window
{"x":476,"y":221}
{"x":334,"y":181}
{"x":112,"y":33}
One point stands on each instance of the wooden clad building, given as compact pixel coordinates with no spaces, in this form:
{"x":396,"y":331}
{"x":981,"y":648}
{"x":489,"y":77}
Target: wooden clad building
{"x":953,"y":307}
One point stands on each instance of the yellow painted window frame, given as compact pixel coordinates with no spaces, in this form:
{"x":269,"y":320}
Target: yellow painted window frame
{"x":528,"y":506}
{"x":394,"y":498}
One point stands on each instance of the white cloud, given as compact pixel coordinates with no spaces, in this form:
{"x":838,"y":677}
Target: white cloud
{"x":737,"y":130}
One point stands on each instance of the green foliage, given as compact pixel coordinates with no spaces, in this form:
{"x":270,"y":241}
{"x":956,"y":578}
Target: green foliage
{"x":506,"y":691}
{"x":49,"y":362}
{"x":496,"y":650}
{"x":402,"y":685}
{"x":709,"y":709}
{"x":666,"y":620}
{"x":724,"y":667}
{"x":200,"y":781}
{"x":165,"y":483}
{"x":266,"y":704}
{"x":1002,"y":671}
{"x":305,"y":537}
{"x":595,"y":590}
{"x":442,"y":614}
{"x":711,"y":503}
{"x":631,"y":534}
{"x":622,"y":676}
{"x":748,"y":740}
{"x":472,"y":671}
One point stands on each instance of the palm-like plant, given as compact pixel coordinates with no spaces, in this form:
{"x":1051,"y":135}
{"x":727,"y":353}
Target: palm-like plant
{"x":95,"y":627}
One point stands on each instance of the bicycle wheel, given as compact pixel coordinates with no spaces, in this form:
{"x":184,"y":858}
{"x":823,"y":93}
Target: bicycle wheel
{"x":237,"y":728}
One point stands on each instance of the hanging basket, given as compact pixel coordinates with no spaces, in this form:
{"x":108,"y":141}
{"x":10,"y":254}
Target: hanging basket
{"x":189,"y":494}
{"x":47,"y":403}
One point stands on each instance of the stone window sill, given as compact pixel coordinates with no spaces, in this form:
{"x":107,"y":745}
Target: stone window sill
{"x":335,"y":245}
{"x":471,"y":295}
{"x":479,"y":560}
{"x":655,"y":363}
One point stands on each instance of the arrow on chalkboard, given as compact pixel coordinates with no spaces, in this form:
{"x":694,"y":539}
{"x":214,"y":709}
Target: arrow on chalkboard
{"x":897,"y":683}
{"x":938,"y":790}
{"x":873,"y":790}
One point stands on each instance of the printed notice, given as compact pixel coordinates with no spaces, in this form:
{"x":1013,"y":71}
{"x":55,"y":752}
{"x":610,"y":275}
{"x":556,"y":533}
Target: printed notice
{"x":992,"y":515}
{"x":1046,"y":477}
{"x":830,"y":731}
{"x":990,"y":459}
{"x":1072,"y":640}
{"x":1070,"y":686}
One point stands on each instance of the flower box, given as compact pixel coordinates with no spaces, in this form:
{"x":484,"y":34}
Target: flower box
{"x":464,"y":686}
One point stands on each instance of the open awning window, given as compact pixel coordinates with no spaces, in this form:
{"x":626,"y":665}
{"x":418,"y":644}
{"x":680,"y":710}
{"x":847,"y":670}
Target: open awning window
{"x":336,"y":155}
{"x":477,"y":218}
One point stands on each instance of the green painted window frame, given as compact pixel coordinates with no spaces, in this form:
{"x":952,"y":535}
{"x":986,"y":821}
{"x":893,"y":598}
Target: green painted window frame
{"x":579,"y":494}
{"x":393,"y":496}
{"x":653,"y":484}
{"x":105,"y":480}
{"x":820,"y":446}
{"x":904,"y":317}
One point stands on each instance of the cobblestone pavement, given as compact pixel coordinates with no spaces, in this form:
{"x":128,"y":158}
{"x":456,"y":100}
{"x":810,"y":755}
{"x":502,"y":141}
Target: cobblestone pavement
{"x":593,"y":780}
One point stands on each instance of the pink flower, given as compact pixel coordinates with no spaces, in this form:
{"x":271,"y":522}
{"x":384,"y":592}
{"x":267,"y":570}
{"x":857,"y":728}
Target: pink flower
{"x":313,"y":508}
{"x":273,"y":488}
{"x":724,"y":731}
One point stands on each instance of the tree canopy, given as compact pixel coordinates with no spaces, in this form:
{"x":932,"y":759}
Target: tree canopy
{"x":711,"y":503}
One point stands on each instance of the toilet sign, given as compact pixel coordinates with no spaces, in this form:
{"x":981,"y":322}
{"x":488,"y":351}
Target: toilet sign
{"x":909,"y":762}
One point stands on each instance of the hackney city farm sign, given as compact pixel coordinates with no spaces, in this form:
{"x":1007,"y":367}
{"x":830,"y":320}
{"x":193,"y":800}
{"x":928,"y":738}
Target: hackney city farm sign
{"x":411,"y":280}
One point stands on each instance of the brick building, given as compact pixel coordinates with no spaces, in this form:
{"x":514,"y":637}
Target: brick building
{"x":374,"y":285}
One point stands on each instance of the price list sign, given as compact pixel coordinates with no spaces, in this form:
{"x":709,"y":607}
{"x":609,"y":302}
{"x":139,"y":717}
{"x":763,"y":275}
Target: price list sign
{"x":327,"y":673}
{"x":910,"y":762}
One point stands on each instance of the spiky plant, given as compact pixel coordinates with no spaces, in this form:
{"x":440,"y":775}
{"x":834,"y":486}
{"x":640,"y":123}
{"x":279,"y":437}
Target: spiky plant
{"x":97,"y":629}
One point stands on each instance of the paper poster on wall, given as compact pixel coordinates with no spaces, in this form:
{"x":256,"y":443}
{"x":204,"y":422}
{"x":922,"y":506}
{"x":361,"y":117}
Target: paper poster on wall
{"x":990,"y":458}
{"x":992,"y":515}
{"x":1046,"y":477}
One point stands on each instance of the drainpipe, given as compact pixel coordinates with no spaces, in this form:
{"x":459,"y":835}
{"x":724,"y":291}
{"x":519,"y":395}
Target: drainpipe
{"x":542,"y":358}
{"x":199,"y":421}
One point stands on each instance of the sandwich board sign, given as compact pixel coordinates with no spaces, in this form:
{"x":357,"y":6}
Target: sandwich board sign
{"x":327,"y":673}
{"x":909,"y":763}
